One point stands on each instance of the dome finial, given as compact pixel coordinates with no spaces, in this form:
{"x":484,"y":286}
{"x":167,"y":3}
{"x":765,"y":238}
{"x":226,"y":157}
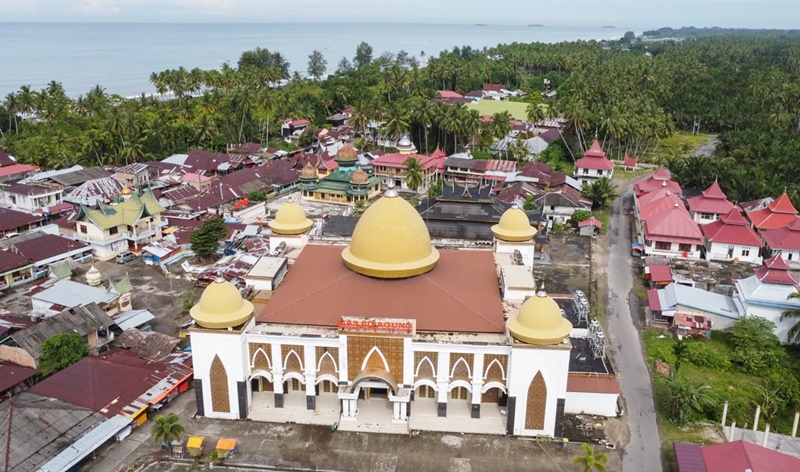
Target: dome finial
{"x":391,"y":192}
{"x":219,"y":278}
{"x":541,"y":292}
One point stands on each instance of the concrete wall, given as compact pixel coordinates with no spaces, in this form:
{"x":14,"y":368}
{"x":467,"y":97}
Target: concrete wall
{"x":719,"y":252}
{"x":601,"y":404}
{"x":17,"y":355}
{"x":525,"y":363}
{"x":673,"y":251}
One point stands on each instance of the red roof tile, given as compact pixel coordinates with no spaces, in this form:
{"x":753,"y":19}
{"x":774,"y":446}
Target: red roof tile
{"x":673,"y":225}
{"x":652,"y":300}
{"x":449,"y":94}
{"x":732,"y":228}
{"x":493,"y":87}
{"x":743,"y":456}
{"x":13,"y":219}
{"x":631,"y":161}
{"x":592,"y":384}
{"x":782,"y":205}
{"x":591,"y":221}
{"x":689,"y":457}
{"x":713,"y":200}
{"x":659,"y":179}
{"x":47,"y":246}
{"x":319,"y":289}
{"x":397,"y":159}
{"x":11,"y":261}
{"x":656,"y":206}
{"x":594,"y":158}
{"x":775,"y":270}
{"x":787,"y":238}
{"x":660,"y":273}
{"x":13,"y":374}
{"x":778,"y":214}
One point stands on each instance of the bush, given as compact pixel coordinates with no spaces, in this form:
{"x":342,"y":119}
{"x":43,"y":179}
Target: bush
{"x":703,"y":355}
{"x":257,"y":195}
{"x":61,"y":351}
{"x":580,"y":215}
{"x":660,"y":349}
{"x":756,"y":349}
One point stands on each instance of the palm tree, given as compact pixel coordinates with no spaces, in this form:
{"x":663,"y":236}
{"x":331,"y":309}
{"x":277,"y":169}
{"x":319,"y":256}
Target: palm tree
{"x":601,"y":192}
{"x":686,"y":398}
{"x":424,"y":115}
{"x":794,"y":331}
{"x":680,"y":349}
{"x":500,"y":125}
{"x":590,"y":461}
{"x":166,"y":429}
{"x":396,"y":121}
{"x":12,"y":104}
{"x":414,"y":173}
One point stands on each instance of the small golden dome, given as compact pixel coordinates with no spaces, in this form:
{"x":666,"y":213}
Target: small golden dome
{"x":221,"y":306}
{"x":359,"y":177}
{"x":539,"y":321}
{"x":290,"y":219}
{"x":390,"y":241}
{"x":126,"y":191}
{"x":514,"y":226}
{"x":347,"y":153}
{"x":308,"y":171}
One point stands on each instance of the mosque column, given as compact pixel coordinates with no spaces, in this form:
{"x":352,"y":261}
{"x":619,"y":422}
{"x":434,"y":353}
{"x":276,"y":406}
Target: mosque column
{"x":477,"y":385}
{"x":310,"y":361}
{"x":277,"y":375}
{"x":442,"y":382}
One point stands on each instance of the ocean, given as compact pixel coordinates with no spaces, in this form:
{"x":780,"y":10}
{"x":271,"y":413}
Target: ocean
{"x":121,"y":56}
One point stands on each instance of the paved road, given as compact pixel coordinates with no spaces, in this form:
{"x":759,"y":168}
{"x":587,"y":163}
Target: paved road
{"x":643,"y":453}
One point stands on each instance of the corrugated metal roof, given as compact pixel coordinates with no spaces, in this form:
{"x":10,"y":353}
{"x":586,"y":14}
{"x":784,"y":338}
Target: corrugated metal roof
{"x":133,"y":319}
{"x":87,"y":444}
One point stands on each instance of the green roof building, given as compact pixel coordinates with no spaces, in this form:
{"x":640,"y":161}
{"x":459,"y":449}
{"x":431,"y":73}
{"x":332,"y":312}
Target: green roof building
{"x":349,"y":183}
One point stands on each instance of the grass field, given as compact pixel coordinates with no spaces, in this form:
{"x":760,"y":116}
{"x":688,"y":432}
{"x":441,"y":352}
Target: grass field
{"x":518,"y":110}
{"x":680,"y":143}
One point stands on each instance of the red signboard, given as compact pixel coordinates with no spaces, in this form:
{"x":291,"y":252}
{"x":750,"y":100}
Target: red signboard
{"x":377,"y":325}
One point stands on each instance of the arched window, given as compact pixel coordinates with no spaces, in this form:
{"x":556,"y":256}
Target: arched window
{"x":220,"y":401}
{"x":537,"y":403}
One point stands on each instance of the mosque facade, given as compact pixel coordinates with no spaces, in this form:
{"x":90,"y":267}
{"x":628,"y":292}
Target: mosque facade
{"x":387,"y":334}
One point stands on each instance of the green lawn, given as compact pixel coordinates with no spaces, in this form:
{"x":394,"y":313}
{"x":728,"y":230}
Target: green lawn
{"x":682,"y":143}
{"x":518,"y":110}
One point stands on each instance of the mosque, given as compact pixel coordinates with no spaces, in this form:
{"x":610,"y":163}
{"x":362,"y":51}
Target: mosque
{"x":391,"y":334}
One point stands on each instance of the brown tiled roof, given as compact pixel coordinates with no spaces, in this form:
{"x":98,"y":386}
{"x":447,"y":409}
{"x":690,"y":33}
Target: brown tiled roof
{"x":461,"y":294}
{"x":592,"y":384}
{"x":12,"y":219}
{"x":47,"y":246}
{"x":10,"y":261}
{"x":13,"y":374}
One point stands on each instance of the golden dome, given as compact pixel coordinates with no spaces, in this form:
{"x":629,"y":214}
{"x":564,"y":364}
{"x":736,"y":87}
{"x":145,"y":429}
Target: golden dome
{"x":221,"y":306}
{"x":514,"y":226}
{"x":126,"y":191}
{"x":390,"y":241}
{"x":346,"y":153}
{"x":359,"y":177}
{"x":539,"y":321}
{"x":308,"y":172}
{"x":290,"y":219}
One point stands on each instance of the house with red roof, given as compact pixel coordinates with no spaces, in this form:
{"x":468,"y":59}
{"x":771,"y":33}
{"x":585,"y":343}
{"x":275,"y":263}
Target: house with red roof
{"x":391,"y":167}
{"x":784,"y":241}
{"x":656,"y":202}
{"x":630,"y":163}
{"x":777,"y":214}
{"x":449,"y":94}
{"x":710,"y":205}
{"x":766,"y":294}
{"x":731,"y":238}
{"x":11,"y":170}
{"x":673,"y":233}
{"x":661,"y":178}
{"x":734,"y":456}
{"x":291,"y":129}
{"x":593,"y":165}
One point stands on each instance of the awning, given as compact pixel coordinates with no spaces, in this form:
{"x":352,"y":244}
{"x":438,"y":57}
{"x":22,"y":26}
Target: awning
{"x":195,"y":442}
{"x":225,"y":444}
{"x":87,"y":444}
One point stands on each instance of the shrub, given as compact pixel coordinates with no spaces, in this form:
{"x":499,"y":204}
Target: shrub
{"x":703,"y":355}
{"x":756,"y":349}
{"x":580,"y":215}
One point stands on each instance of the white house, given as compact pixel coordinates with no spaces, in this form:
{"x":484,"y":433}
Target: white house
{"x":766,"y":294}
{"x":722,"y":310}
{"x":673,"y":233}
{"x":30,"y":198}
{"x":558,"y":207}
{"x":731,"y":238}
{"x":593,"y":165}
{"x":710,"y":205}
{"x":784,"y":241}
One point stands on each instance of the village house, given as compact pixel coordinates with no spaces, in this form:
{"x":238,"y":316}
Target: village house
{"x":732,"y":456}
{"x":14,"y":379}
{"x":390,"y":167}
{"x":95,"y":191}
{"x":291,"y":129}
{"x":11,"y":170}
{"x":784,"y":241}
{"x":30,"y":198}
{"x":777,"y":214}
{"x":15,"y":269}
{"x":472,"y":171}
{"x":673,"y":233}
{"x":666,"y":303}
{"x":134,"y":175}
{"x":558,"y":207}
{"x":766,"y":294}
{"x":201,"y":183}
{"x":129,"y":224}
{"x":593,"y":165}
{"x":53,"y":296}
{"x":661,"y":178}
{"x":730,"y":238}
{"x":710,"y":205}
{"x":45,"y":249}
{"x":13,"y":222}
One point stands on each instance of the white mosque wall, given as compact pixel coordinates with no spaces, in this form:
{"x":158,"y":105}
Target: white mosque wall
{"x":232,"y":351}
{"x":525,"y":363}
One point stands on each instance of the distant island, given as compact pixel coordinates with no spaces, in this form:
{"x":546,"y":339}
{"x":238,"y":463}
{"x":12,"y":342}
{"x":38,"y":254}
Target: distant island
{"x":694,"y":32}
{"x":535,"y":26}
{"x":481,"y":24}
{"x":609,"y":27}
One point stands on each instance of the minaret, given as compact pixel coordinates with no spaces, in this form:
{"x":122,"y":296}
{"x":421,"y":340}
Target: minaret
{"x":290,"y":226}
{"x":515,"y":233}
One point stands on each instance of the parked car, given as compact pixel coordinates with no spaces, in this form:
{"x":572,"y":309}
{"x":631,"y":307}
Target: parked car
{"x":125,"y":257}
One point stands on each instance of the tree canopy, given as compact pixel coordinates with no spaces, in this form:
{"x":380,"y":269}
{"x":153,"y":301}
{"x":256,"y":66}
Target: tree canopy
{"x":205,"y":240}
{"x":61,"y":351}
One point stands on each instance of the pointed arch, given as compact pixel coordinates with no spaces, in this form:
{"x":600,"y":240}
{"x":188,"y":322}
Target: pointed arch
{"x":220,"y":400}
{"x":327,"y":364}
{"x":425,"y":369}
{"x":461,"y":370}
{"x":375,"y":360}
{"x":292,"y":362}
{"x":495,"y":372}
{"x":260,"y":360}
{"x":537,"y":403}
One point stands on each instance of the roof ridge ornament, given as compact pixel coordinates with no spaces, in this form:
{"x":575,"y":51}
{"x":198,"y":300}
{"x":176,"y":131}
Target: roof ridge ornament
{"x":391,"y":192}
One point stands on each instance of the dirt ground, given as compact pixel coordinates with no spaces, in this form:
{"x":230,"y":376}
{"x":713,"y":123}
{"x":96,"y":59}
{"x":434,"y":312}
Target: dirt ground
{"x":151,"y":289}
{"x":569,"y":266}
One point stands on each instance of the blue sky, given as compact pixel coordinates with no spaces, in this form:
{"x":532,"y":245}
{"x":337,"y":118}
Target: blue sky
{"x":632,"y":13}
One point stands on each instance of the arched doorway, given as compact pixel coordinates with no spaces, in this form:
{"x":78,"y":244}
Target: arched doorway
{"x":537,"y":403}
{"x":373,"y":387}
{"x":220,"y":399}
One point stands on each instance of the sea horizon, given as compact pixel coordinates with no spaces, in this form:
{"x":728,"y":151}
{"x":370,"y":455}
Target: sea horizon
{"x":120,"y":56}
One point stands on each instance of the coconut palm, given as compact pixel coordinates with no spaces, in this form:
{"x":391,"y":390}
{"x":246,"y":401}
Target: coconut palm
{"x":602,"y":191}
{"x":166,"y":429}
{"x":794,"y":331}
{"x":413,"y":173}
{"x":686,"y":398}
{"x":590,"y":461}
{"x":12,"y":104}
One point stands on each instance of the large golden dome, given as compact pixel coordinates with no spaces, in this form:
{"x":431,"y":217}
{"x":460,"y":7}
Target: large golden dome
{"x":359,"y":177}
{"x":390,"y":241}
{"x":221,"y":306}
{"x":514,"y":226}
{"x":290,"y":219}
{"x":347,"y":153}
{"x":539,"y":321}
